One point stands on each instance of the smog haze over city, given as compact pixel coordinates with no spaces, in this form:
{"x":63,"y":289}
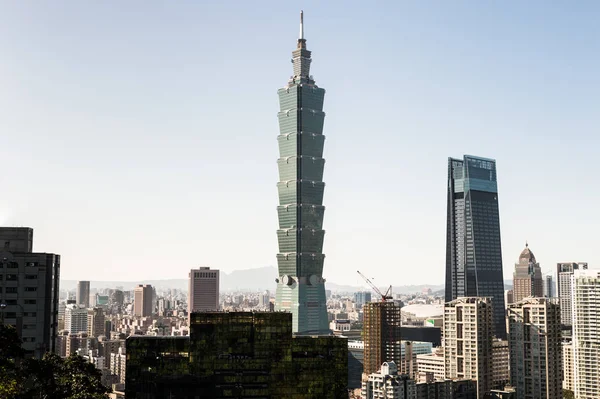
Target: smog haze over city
{"x":139,"y":138}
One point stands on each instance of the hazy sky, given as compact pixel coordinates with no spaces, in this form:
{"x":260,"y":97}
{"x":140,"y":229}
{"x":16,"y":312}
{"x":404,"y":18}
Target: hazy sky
{"x":138,"y":138}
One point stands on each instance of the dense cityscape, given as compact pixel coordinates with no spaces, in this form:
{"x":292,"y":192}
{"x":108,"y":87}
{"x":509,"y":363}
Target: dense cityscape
{"x":535,"y":337}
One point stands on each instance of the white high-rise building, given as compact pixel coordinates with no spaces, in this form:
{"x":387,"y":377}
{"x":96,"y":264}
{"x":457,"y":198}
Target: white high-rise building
{"x":203,"y":290}
{"x":468,"y":341}
{"x":534,"y":333}
{"x":564,"y":271}
{"x":389,"y":384}
{"x":586,"y":333}
{"x":76,"y":319}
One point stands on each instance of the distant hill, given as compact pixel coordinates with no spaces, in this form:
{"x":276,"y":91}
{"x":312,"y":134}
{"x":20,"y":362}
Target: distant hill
{"x":257,"y":279}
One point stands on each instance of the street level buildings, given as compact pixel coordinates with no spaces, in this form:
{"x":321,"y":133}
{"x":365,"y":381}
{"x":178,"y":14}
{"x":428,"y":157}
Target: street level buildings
{"x":300,"y":285}
{"x":29,"y":290}
{"x":564,"y":273}
{"x":82,"y":296}
{"x":203,"y":294}
{"x":388,"y":384}
{"x":535,"y":348}
{"x":468,"y":341}
{"x":142,"y":300}
{"x":586,"y":333}
{"x":473,"y":249}
{"x":381,"y":334}
{"x":527,"y":278}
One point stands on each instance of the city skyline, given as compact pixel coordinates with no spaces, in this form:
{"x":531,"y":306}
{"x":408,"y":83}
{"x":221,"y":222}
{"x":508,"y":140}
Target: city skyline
{"x":127,"y":139}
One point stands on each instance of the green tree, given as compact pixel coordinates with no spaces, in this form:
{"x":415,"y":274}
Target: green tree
{"x":568,"y":394}
{"x":51,"y":377}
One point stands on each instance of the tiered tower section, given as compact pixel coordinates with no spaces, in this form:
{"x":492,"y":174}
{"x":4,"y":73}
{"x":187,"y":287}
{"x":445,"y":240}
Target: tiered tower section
{"x":300,"y":285}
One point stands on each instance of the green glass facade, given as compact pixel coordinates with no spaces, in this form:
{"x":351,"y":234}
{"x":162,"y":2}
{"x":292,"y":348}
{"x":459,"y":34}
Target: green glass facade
{"x":300,"y":285}
{"x":237,"y":355}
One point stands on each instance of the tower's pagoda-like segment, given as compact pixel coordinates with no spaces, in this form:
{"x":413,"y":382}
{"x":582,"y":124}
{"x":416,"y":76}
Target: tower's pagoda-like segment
{"x":300,"y":285}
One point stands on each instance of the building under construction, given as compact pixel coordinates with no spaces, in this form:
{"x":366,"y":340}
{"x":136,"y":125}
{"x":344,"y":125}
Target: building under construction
{"x":381,"y":330}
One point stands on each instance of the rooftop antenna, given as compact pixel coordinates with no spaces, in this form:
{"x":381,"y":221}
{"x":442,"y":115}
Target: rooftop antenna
{"x":301,"y":25}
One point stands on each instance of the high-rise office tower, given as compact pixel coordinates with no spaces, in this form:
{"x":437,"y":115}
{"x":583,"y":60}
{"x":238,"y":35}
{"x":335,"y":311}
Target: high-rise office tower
{"x":362,"y":297}
{"x":564,"y":272}
{"x":468,"y":342}
{"x":586,"y":333}
{"x":83,"y":294}
{"x":473,"y":251}
{"x":381,"y":335}
{"x":535,"y":348}
{"x":142,"y":300}
{"x":29,"y":290}
{"x":527,"y":278}
{"x":203,"y":292}
{"x":300,"y":286}
{"x":568,"y":364}
{"x":548,"y":286}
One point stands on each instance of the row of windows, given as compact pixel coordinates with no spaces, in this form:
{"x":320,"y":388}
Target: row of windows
{"x":11,"y":302}
{"x":13,"y":290}
{"x":15,"y":277}
{"x":15,"y":265}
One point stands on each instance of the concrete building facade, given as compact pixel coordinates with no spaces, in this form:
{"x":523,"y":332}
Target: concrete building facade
{"x":468,"y":341}
{"x":381,"y":335}
{"x":82,"y":297}
{"x":203,"y":294}
{"x":535,"y":348}
{"x":142,"y":300}
{"x":586,"y":333}
{"x":564,"y":272}
{"x":388,"y":384}
{"x":29,"y":290}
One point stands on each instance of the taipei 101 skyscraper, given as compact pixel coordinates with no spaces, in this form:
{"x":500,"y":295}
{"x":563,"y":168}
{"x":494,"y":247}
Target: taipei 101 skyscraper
{"x":300,"y":285}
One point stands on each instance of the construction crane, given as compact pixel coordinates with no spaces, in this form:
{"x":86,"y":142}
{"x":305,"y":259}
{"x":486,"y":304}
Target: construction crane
{"x":384,"y":297}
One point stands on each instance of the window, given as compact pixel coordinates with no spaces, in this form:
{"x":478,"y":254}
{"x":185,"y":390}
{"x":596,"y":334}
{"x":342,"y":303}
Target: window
{"x":30,"y":289}
{"x":31,"y":264}
{"x":30,"y":302}
{"x":29,"y":339}
{"x":11,"y":290}
{"x":11,"y":315}
{"x":11,"y":301}
{"x":29,"y":314}
{"x":13,"y":265}
{"x":31,"y":277}
{"x":12,"y":277}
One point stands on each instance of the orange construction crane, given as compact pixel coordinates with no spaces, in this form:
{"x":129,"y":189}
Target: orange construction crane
{"x":384,"y":297}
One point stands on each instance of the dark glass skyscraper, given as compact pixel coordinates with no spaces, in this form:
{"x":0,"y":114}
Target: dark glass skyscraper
{"x":300,"y":286}
{"x":473,"y":250}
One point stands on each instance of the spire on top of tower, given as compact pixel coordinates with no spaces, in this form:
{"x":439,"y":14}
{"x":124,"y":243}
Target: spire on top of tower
{"x":301,"y":25}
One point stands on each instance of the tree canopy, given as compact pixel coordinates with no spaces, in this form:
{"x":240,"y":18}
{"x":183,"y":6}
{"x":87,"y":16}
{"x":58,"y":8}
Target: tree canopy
{"x":51,"y":377}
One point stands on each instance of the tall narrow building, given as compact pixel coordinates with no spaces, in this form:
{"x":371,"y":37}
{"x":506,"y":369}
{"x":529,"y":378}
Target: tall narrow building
{"x":527,"y":278}
{"x":586,"y":333}
{"x":142,"y":300}
{"x":473,"y":250}
{"x":468,"y":342}
{"x":83,"y":294}
{"x":300,"y":285}
{"x":535,"y":348}
{"x":564,"y":290}
{"x":29,"y":290}
{"x":381,"y":335}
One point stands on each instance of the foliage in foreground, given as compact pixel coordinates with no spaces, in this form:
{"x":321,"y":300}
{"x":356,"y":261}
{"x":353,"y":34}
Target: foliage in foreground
{"x":51,"y":377}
